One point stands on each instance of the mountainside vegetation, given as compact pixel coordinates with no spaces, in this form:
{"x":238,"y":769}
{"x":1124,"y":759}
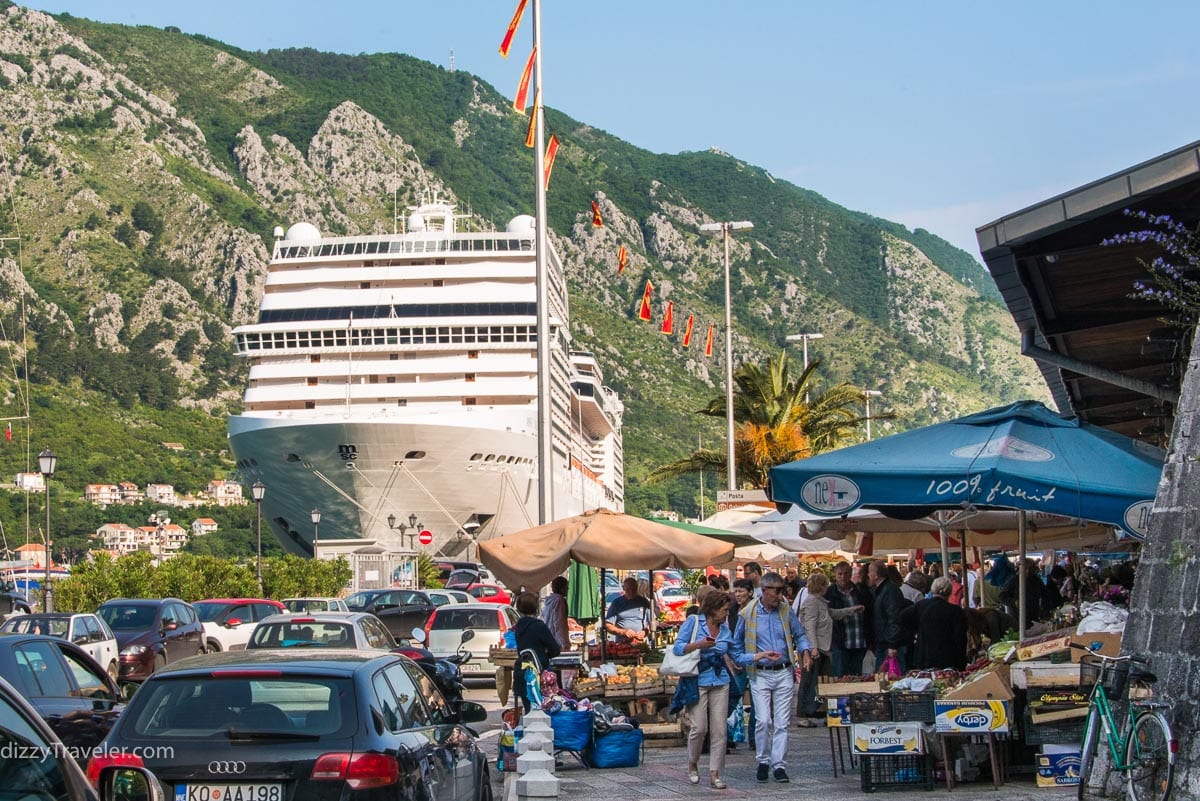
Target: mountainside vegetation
{"x":144,"y":171}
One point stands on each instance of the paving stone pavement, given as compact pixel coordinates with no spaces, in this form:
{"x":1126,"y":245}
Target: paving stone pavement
{"x":663,"y":776}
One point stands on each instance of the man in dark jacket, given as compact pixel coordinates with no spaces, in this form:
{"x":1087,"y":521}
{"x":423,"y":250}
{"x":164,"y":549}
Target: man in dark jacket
{"x":941,"y":629}
{"x":891,"y":638}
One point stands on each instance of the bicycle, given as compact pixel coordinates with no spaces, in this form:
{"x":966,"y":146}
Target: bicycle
{"x":1144,"y":751}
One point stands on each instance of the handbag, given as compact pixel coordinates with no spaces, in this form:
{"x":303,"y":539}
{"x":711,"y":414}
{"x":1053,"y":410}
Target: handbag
{"x":686,"y":665}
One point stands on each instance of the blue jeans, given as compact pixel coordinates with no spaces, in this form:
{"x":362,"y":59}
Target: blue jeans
{"x":848,"y":661}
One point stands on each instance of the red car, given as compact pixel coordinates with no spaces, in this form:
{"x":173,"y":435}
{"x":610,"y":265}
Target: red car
{"x":490,"y":593}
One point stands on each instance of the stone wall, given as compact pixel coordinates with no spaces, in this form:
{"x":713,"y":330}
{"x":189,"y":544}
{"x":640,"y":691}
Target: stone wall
{"x":1163,"y":621}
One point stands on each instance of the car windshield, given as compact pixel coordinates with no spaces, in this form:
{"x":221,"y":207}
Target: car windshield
{"x":37,"y":624}
{"x":462,"y":578}
{"x":211,"y":705}
{"x":361,"y":598}
{"x":306,"y":605}
{"x":208,"y":610}
{"x":303,"y":633}
{"x":128,"y":617}
{"x":448,"y":618}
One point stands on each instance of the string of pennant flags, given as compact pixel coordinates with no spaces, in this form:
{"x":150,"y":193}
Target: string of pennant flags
{"x":520,"y":101}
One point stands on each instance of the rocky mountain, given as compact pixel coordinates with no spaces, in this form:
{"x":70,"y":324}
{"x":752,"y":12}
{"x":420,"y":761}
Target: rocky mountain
{"x":145,"y":171}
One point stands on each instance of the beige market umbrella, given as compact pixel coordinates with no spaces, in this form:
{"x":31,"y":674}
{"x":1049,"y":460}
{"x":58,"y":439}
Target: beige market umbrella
{"x":600,"y":538}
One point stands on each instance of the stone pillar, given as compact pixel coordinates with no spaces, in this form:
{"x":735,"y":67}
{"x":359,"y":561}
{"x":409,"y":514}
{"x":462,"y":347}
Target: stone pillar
{"x":1164,"y":611}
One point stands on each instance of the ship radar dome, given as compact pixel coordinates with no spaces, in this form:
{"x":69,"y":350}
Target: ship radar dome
{"x":520,"y":224}
{"x":416,"y":221}
{"x":302,"y":233}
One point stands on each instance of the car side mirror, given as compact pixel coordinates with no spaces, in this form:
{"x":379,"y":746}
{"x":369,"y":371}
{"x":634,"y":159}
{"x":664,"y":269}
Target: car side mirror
{"x":129,"y":784}
{"x":169,"y":625}
{"x":233,"y":621}
{"x":127,"y":689}
{"x":418,"y":635}
{"x":471,"y":712}
{"x":82,"y":639}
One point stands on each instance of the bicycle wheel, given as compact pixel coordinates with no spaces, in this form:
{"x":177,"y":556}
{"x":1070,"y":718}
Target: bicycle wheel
{"x":1091,"y":736}
{"x":1150,"y":759}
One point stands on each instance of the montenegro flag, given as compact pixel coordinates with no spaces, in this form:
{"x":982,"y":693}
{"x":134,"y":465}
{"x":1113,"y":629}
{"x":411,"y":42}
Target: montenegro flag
{"x":708,"y":341}
{"x":622,"y":259}
{"x":551,"y":152}
{"x":644,"y":312}
{"x":687,"y":330}
{"x":597,"y":220}
{"x":522,"y":97}
{"x":512,"y":28}
{"x":668,"y":325}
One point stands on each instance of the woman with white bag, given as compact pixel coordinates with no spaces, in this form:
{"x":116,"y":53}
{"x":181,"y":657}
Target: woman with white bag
{"x":708,"y":633}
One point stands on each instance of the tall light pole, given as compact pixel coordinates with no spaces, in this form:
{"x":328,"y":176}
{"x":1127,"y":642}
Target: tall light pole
{"x":316,"y":518}
{"x":804,"y":338}
{"x":413,"y":523}
{"x":257,"y":491}
{"x":723,"y":228}
{"x":867,"y":395}
{"x":47,"y":461}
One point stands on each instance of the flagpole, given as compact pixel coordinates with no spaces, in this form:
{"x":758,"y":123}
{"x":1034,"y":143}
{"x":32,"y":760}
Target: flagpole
{"x":542,"y":247}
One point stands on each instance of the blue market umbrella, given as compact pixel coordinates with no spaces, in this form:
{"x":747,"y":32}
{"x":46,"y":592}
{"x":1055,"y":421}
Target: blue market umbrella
{"x":1022,"y":457}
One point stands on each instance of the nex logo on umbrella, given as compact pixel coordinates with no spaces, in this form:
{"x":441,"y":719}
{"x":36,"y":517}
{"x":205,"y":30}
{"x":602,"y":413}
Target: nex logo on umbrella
{"x":831,"y":494}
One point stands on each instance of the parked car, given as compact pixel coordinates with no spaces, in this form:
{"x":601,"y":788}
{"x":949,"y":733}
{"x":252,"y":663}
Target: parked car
{"x":69,"y":690}
{"x":674,"y":601}
{"x":37,"y":765}
{"x":443,"y":633}
{"x":462,"y":578}
{"x":12,"y":602}
{"x":85,"y":629}
{"x":229,"y":621}
{"x":443,"y":597}
{"x":301,"y":726}
{"x":315,"y":604}
{"x":489,"y":593}
{"x":400,"y":610}
{"x":322,"y":630}
{"x":152,"y":633}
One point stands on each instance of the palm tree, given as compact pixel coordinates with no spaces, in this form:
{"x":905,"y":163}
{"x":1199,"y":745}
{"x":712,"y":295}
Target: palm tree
{"x":778,"y":419}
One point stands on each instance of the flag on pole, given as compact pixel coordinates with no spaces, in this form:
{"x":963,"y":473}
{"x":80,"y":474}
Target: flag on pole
{"x":622,"y":259}
{"x":597,"y":220}
{"x":512,"y":28}
{"x":687,"y":330}
{"x":522,"y":97}
{"x":668,"y":325}
{"x":644,"y":312}
{"x":533,"y":118}
{"x":551,"y":152}
{"x":8,"y":431}
{"x":708,"y":341}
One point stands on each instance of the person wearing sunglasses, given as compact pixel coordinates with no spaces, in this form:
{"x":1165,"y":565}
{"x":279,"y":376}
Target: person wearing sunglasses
{"x":766,"y":643}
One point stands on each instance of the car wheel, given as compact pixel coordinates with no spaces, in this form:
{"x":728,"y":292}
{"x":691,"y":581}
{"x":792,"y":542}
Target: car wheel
{"x":213,"y":647}
{"x":114,"y":671}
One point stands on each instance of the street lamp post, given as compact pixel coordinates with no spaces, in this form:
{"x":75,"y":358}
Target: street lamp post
{"x":723,"y":228}
{"x":257,"y":491}
{"x":804,"y":338}
{"x":413,"y":523}
{"x":47,"y":461}
{"x":316,"y":518}
{"x":868,"y":394}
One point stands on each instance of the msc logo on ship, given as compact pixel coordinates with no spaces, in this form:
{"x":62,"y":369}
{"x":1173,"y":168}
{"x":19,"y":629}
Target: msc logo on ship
{"x":226,"y":767}
{"x":971,"y":720}
{"x":348,"y":452}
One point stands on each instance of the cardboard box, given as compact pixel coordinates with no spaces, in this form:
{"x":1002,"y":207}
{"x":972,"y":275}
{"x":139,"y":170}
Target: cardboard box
{"x":889,"y":738}
{"x":1058,"y":770}
{"x":846,"y":688}
{"x":1044,"y":645}
{"x":837,"y":712}
{"x":1029,"y":675}
{"x":1110,"y":643}
{"x":986,"y":685}
{"x":971,"y":717}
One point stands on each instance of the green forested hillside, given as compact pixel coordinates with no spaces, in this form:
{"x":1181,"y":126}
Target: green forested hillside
{"x":147,"y":169}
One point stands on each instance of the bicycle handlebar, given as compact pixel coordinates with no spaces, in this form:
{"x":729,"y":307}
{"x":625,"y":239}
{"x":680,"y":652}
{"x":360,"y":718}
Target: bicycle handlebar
{"x":1095,"y":652}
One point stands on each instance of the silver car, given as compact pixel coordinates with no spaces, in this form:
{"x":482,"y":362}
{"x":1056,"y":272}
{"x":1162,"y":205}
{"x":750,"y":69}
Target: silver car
{"x":87,"y":630}
{"x":360,"y":630}
{"x":489,"y":622}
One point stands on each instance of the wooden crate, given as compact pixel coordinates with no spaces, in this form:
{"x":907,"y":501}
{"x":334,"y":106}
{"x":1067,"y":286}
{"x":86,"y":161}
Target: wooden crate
{"x":618,"y":690}
{"x":663,"y":735}
{"x":846,"y":689}
{"x":503,"y":657}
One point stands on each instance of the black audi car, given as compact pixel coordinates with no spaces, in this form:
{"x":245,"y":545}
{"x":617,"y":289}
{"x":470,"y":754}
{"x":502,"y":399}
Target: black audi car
{"x":280,"y":725}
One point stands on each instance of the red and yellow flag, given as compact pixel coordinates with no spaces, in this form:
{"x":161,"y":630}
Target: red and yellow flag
{"x":687,"y":330}
{"x":531,"y":131}
{"x":622,"y":259}
{"x":512,"y":28}
{"x":668,"y":326}
{"x":522,"y":97}
{"x":708,"y":341}
{"x":597,"y":220}
{"x":644,"y":312}
{"x":551,"y":152}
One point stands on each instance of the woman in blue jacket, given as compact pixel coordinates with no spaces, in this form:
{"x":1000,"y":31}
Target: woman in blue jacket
{"x":708,"y":632}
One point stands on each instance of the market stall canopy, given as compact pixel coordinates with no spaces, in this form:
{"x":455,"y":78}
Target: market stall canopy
{"x":993,"y":529}
{"x":725,"y":535}
{"x":600,"y":538}
{"x":1021,"y":456}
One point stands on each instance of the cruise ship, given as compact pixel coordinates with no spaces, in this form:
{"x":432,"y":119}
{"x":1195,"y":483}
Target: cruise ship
{"x":393,"y":382}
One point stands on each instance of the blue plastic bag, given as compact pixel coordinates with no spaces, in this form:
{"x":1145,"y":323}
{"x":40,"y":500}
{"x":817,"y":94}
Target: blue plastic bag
{"x":735,"y":726}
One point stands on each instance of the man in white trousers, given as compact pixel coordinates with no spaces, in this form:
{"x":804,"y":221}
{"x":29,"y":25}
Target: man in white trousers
{"x":767,"y":640}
